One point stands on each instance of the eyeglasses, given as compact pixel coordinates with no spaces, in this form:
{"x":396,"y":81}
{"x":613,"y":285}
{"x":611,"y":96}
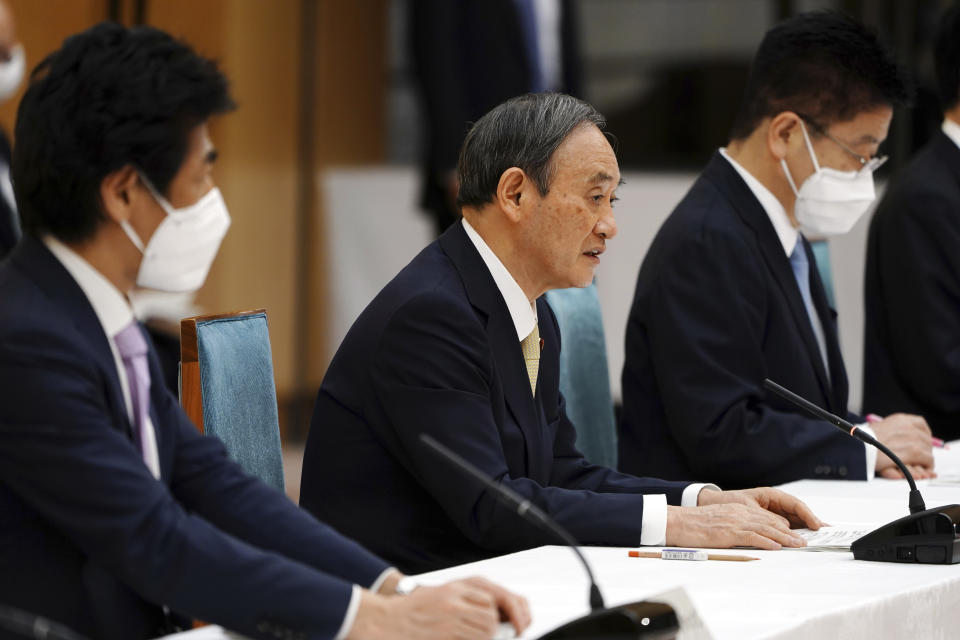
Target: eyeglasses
{"x":869,"y":164}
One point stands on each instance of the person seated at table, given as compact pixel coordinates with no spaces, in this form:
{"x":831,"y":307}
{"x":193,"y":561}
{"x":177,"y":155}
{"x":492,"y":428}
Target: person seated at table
{"x":114,"y":509}
{"x":462,"y":345}
{"x":912,"y":280}
{"x":729,"y":295}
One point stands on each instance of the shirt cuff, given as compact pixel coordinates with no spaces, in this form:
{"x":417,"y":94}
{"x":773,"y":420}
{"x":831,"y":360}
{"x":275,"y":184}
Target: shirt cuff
{"x":870,"y":450}
{"x":691,"y":495}
{"x":653,"y":524}
{"x":351,"y":614}
{"x":375,"y":587}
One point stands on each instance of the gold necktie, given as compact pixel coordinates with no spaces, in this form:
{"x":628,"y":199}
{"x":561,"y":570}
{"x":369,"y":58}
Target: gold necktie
{"x":531,"y":355}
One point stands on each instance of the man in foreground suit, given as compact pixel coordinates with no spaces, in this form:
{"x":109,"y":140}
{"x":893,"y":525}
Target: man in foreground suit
{"x":912,"y":339}
{"x":113,"y":508}
{"x":462,"y":346}
{"x":729,"y":295}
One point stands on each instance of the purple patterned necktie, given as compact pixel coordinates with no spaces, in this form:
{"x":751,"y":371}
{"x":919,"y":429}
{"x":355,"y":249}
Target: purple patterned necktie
{"x":133,"y":352}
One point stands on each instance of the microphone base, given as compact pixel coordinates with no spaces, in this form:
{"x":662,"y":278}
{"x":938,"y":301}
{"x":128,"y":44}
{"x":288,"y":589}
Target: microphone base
{"x":646,"y":620}
{"x":925,"y":537}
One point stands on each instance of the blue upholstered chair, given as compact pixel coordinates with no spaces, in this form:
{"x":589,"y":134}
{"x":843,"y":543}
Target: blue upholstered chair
{"x":227,"y":388}
{"x":584,"y":378}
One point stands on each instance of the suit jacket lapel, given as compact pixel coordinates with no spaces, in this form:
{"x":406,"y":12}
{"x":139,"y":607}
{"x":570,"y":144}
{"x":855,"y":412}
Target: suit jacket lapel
{"x":837,"y":394}
{"x":36,"y":261}
{"x":721,"y":173}
{"x":484,"y":295}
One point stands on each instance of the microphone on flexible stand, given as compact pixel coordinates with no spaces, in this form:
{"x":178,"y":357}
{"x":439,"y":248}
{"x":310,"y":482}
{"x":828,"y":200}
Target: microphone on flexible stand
{"x":926,"y":536}
{"x":643,"y":619}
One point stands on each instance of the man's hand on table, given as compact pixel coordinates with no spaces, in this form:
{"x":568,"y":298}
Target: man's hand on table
{"x":759,"y":518}
{"x":467,"y":609}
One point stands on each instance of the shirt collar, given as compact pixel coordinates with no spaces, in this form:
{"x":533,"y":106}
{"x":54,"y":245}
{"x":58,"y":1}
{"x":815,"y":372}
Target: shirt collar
{"x":522,"y":312}
{"x":787,"y":233}
{"x":952,"y":130}
{"x":108,"y":303}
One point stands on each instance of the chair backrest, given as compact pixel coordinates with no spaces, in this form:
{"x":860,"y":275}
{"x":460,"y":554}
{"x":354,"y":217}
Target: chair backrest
{"x":584,"y":378}
{"x":821,"y":254}
{"x":227,"y":388}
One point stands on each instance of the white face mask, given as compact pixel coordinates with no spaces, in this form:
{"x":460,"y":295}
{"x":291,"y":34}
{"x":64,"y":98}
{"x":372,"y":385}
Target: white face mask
{"x":830,"y":202}
{"x":11,"y":72}
{"x":181,"y":250}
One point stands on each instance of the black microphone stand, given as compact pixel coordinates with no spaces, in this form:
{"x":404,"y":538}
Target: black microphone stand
{"x":926,"y":536}
{"x":646,"y":620}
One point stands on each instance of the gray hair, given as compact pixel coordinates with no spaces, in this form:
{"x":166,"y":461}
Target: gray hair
{"x":522,"y":132}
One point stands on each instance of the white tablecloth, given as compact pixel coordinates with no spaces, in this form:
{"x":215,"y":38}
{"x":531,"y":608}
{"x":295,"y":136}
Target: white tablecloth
{"x":785,"y":595}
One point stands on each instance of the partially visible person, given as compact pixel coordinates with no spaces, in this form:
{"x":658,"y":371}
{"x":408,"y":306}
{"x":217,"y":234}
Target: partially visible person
{"x":728,"y":294}
{"x":462,"y":345}
{"x":12,"y":66}
{"x":912,"y":281}
{"x":117,"y":518}
{"x":471,"y":55}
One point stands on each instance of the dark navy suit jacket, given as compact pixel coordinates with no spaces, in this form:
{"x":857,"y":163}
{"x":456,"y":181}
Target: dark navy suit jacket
{"x":436,"y":352}
{"x":912,"y":350}
{"x":90,"y":539}
{"x":716,"y":310}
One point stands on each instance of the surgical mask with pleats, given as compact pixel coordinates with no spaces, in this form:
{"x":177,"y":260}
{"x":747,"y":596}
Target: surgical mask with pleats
{"x":12,"y":71}
{"x":830,"y":202}
{"x":179,"y":254}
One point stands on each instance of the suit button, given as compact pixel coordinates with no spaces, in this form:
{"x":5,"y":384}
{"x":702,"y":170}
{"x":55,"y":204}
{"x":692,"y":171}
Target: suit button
{"x":262,"y":626}
{"x":842,"y":471}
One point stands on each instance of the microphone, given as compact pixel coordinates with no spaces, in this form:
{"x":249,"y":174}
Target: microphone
{"x":926,"y":536}
{"x":643,"y":619}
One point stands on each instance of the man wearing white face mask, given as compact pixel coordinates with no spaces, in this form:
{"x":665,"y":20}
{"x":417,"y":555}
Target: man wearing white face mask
{"x":729,"y":294}
{"x":118,"y":518}
{"x":12,"y":65}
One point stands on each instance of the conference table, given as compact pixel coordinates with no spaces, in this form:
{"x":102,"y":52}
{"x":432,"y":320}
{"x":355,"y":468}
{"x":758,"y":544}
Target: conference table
{"x":784,"y":595}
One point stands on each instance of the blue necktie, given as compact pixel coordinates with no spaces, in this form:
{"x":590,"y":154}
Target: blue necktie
{"x":531,"y":43}
{"x":801,"y":271}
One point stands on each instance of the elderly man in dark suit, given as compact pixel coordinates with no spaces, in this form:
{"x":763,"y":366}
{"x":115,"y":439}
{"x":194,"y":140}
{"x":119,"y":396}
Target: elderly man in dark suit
{"x":461,"y":345}
{"x":729,"y":295}
{"x":912,"y":341}
{"x":114,"y":511}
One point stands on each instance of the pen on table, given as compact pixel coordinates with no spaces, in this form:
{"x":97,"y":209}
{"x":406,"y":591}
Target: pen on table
{"x":688,"y":554}
{"x":936,"y":442}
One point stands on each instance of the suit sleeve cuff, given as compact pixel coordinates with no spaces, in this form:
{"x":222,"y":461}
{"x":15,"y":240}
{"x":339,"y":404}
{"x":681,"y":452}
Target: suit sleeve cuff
{"x":351,"y":614}
{"x":653,"y":524}
{"x":871,"y":452}
{"x":375,"y":587}
{"x":691,"y":495}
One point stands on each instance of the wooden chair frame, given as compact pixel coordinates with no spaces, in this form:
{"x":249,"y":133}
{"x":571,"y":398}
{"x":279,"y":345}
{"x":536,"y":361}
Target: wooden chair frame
{"x":191,"y":394}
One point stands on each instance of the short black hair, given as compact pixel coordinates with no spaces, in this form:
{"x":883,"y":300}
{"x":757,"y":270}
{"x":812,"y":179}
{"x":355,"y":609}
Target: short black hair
{"x":823,"y":64}
{"x":522,"y":132}
{"x":946,"y":57}
{"x":111,"y":96}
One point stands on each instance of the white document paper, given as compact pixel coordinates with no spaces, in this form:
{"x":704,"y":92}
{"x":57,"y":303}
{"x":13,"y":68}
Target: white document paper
{"x":833,"y":538}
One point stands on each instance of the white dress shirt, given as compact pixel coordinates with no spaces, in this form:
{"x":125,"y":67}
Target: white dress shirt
{"x":653,"y":523}
{"x":789,"y":236}
{"x":952,"y":130}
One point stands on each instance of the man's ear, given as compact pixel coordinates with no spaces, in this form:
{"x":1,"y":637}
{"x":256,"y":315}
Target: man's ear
{"x":782,"y":127}
{"x":118,"y":192}
{"x":512,"y":188}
